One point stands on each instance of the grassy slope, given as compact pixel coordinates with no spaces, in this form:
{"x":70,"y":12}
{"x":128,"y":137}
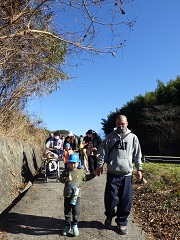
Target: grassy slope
{"x":157,"y":203}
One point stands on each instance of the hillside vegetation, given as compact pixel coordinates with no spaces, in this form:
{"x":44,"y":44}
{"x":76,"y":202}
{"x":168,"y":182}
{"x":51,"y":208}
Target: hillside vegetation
{"x":154,"y":118}
{"x":157,"y":203}
{"x":19,"y":125}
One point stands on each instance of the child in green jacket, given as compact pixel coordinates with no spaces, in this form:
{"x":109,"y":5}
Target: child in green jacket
{"x":73,"y":178}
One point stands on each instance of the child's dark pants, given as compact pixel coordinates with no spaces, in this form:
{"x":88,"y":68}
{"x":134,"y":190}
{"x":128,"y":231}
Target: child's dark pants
{"x":71,"y":212}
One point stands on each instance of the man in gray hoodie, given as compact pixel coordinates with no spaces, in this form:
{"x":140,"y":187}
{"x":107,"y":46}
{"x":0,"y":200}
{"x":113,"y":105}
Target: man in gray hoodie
{"x":120,"y":150}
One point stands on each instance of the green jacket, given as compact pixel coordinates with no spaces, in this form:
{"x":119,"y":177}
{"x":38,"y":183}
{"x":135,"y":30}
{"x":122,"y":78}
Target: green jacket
{"x":78,"y":176}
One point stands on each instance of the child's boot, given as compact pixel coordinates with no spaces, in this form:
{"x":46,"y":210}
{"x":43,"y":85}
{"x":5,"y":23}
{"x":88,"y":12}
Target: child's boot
{"x":75,"y":230}
{"x":66,"y":230}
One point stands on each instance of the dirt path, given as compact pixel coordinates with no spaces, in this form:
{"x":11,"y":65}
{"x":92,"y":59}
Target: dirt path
{"x":39,"y":215}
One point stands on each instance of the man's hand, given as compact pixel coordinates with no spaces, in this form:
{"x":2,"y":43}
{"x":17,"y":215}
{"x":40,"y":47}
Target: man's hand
{"x":139,"y":176}
{"x":99,"y":171}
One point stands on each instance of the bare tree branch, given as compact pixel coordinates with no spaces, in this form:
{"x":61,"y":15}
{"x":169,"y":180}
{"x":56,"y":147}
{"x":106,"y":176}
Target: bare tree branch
{"x":37,"y":36}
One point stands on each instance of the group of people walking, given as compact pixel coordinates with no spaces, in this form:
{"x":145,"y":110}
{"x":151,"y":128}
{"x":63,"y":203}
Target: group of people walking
{"x":87,"y":147}
{"x":120,"y":150}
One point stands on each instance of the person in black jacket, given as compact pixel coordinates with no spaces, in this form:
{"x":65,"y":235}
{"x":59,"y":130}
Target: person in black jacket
{"x":93,"y":149}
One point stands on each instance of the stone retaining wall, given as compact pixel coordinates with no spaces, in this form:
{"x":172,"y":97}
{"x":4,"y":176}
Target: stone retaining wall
{"x":19,"y":163}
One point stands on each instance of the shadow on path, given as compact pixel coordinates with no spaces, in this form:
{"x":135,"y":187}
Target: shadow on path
{"x":39,"y":225}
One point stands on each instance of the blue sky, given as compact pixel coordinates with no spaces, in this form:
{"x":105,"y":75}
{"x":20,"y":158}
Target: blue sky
{"x":152,"y":52}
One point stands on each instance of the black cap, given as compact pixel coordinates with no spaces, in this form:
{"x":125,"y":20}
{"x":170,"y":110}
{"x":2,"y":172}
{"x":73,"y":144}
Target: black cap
{"x":90,"y":131}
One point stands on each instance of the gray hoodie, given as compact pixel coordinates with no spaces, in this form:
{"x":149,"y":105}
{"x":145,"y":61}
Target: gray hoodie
{"x":120,"y":159}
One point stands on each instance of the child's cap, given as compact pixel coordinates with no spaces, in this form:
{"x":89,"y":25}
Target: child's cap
{"x":67,"y":145}
{"x":73,"y":158}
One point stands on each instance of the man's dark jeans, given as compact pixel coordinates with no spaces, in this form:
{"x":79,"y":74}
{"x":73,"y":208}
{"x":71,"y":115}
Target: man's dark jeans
{"x":118,"y":194}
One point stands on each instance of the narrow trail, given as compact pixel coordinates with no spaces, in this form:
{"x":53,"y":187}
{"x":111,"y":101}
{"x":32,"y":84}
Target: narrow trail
{"x":39,"y":214}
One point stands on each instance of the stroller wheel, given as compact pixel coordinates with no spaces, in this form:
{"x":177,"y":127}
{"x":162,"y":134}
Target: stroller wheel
{"x":45,"y":180}
{"x":58,"y":179}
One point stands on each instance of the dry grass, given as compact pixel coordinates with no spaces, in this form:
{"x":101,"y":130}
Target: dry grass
{"x":156,"y":204}
{"x":18,"y":125}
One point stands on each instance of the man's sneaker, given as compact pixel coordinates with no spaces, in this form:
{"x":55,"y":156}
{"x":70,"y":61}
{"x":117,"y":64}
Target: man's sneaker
{"x":66,"y":230}
{"x":107,"y":223}
{"x":75,"y":230}
{"x":122,"y":229}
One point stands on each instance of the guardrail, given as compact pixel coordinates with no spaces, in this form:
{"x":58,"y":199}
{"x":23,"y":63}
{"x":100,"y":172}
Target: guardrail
{"x":161,"y":159}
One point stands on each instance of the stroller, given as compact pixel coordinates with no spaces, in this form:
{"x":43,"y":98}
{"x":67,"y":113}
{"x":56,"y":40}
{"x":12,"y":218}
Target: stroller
{"x":51,"y":165}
